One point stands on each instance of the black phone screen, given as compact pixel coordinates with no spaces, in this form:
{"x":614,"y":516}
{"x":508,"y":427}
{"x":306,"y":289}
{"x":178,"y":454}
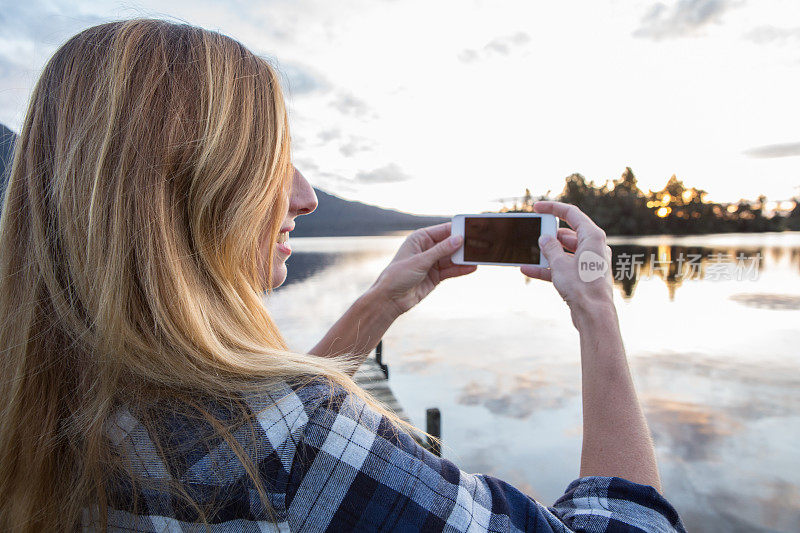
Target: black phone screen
{"x":502,"y":239}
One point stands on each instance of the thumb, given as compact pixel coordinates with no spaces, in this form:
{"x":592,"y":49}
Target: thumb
{"x":442,"y":249}
{"x":551,"y":248}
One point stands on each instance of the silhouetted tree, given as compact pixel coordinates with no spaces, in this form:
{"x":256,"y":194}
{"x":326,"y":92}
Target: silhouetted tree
{"x":793,"y":220}
{"x":622,"y":208}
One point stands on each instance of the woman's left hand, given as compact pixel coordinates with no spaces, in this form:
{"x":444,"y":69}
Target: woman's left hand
{"x":422,"y":261}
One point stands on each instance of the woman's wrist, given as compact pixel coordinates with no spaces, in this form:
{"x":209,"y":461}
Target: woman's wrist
{"x":359,"y":329}
{"x":376,"y":302}
{"x":600,"y":337}
{"x":588,"y":311}
{"x":597,"y":320}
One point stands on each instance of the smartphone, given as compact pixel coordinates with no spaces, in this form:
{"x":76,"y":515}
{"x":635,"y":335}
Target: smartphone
{"x":510,"y":239}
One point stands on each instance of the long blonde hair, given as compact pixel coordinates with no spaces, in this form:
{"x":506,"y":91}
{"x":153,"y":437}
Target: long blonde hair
{"x":153,"y":161}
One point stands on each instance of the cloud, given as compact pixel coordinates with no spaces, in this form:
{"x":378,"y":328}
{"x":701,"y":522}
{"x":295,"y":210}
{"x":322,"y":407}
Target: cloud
{"x":332,"y":181}
{"x":503,"y":45}
{"x":304,"y":164}
{"x":349,"y":147}
{"x":328,"y":135}
{"x":468,"y":56}
{"x":53,"y":22}
{"x":28,"y":30}
{"x":321,"y":178}
{"x":499,"y":45}
{"x":11,"y":69}
{"x":43,"y":22}
{"x":771,"y":151}
{"x":390,"y":173}
{"x":351,"y":105}
{"x":682,"y":19}
{"x":14,"y":79}
{"x":772,"y":34}
{"x":300,"y":79}
{"x":354,"y":146}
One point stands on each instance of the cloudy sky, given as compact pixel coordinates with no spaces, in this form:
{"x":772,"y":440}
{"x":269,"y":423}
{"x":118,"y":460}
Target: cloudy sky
{"x":441,"y":107}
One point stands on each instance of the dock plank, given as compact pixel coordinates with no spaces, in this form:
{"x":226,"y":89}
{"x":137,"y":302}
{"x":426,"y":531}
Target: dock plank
{"x":371,"y":378}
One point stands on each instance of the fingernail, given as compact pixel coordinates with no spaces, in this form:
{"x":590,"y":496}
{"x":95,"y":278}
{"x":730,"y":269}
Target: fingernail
{"x":544,"y":239}
{"x":455,"y":240}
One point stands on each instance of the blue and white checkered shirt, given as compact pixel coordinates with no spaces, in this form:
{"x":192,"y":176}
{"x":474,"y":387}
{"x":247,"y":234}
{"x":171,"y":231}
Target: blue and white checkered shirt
{"x":330,"y":463}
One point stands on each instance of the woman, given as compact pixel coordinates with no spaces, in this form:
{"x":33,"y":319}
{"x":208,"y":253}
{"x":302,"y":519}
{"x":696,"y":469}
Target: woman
{"x":144,"y":385}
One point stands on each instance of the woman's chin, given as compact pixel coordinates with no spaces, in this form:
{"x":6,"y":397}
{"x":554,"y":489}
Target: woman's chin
{"x":279,"y":273}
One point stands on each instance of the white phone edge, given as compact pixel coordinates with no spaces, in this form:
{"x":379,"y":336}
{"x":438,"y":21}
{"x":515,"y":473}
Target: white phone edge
{"x":549,"y":227}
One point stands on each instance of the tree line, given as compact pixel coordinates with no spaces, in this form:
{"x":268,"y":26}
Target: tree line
{"x":620,"y":207}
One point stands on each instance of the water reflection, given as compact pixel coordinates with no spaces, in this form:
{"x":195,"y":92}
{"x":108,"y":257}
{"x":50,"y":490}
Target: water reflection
{"x":525,"y":394}
{"x":314,"y":255}
{"x":690,"y":431}
{"x":675,"y":264}
{"x":715,"y":362}
{"x":304,"y":265}
{"x":768,"y":301}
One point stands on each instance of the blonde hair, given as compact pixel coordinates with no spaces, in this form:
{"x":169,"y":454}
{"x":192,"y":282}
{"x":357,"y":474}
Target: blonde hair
{"x":153,"y":161}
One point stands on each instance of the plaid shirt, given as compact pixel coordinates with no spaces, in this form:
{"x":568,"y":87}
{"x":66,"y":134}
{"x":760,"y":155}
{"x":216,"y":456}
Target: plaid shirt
{"x":330,"y":463}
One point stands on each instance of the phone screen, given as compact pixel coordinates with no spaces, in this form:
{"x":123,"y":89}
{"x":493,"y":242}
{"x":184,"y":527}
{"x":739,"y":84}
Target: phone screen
{"x":502,"y":239}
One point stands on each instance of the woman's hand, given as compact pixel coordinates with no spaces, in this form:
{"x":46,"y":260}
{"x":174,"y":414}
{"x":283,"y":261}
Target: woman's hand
{"x":616,"y":440}
{"x":587,"y":242}
{"x":422,"y":261}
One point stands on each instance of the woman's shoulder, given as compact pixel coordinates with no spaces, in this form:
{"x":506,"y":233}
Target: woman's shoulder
{"x":209,"y":441}
{"x":283,"y":412}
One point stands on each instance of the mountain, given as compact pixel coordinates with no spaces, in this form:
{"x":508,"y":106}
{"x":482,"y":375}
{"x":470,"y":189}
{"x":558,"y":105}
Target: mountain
{"x":334,"y":216}
{"x":7,"y":138}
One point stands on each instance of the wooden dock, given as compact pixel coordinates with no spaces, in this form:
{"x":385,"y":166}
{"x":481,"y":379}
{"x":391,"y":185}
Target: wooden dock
{"x":373,"y":376}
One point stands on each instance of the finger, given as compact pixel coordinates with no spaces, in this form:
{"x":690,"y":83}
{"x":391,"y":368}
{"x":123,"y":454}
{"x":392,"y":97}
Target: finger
{"x":446,"y":247}
{"x":552,"y":249}
{"x":445,"y":262}
{"x":438,"y":232}
{"x":533,"y":271}
{"x":568,"y":238}
{"x":457,"y":270}
{"x":576,"y":218}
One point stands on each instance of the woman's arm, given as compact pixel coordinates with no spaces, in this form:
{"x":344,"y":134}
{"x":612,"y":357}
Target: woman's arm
{"x":616,"y":440}
{"x":360,"y":328}
{"x":420,"y":264}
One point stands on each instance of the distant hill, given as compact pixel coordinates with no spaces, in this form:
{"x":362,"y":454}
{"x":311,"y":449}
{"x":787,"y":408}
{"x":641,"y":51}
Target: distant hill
{"x":333,"y":217}
{"x":7,"y":138}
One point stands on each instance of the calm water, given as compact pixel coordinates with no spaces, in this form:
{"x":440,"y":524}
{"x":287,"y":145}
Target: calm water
{"x":716,"y":363}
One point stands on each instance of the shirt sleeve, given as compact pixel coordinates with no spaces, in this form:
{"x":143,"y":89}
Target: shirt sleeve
{"x":354,"y":471}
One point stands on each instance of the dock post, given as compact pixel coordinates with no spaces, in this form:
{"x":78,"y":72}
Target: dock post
{"x":433,"y":425}
{"x":379,"y":358}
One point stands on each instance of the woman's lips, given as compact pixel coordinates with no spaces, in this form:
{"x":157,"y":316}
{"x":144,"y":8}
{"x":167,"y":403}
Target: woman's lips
{"x":284,"y":249}
{"x":283,"y":243}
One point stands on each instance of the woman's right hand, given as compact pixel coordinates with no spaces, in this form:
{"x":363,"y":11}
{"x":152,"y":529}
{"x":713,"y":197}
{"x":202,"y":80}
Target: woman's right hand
{"x":587,"y":242}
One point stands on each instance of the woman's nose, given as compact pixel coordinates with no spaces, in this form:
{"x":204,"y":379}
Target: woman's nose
{"x":303,"y":200}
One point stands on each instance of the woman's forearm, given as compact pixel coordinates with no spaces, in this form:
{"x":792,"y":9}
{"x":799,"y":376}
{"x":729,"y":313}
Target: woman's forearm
{"x":616,"y":440}
{"x":360,"y":328}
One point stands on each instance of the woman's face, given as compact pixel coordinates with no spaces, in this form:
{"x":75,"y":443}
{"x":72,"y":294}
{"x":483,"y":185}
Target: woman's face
{"x":302,"y":201}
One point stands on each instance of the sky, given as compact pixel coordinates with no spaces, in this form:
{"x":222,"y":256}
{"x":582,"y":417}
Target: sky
{"x":446,"y":106}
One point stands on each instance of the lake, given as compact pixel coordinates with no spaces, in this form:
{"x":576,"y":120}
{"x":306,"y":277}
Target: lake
{"x":713,"y":347}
